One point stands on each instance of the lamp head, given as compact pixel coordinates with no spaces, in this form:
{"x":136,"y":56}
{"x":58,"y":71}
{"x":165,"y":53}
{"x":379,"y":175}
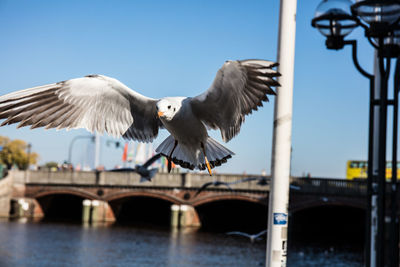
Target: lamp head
{"x":381,"y":15}
{"x":334,"y":20}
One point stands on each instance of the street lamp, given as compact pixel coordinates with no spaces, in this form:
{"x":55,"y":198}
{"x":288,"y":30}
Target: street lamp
{"x":335,"y":19}
{"x":92,"y":137}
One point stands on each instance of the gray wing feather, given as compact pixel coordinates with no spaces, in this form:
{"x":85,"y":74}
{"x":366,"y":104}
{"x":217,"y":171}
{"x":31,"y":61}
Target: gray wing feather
{"x":95,"y":102}
{"x":238,"y":88}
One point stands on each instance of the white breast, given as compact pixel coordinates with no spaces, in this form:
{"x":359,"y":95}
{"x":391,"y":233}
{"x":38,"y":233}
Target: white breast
{"x":186,"y":128}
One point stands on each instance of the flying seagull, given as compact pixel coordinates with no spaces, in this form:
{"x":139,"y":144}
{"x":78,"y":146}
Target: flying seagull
{"x":261,"y":181}
{"x":252,"y":238}
{"x":145,"y":173}
{"x":103,"y":104}
{"x":214,"y":183}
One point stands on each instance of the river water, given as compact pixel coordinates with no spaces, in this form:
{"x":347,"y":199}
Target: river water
{"x":58,"y":244}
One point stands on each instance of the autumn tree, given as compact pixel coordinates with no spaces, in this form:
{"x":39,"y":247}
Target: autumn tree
{"x":15,"y":152}
{"x":50,"y":165}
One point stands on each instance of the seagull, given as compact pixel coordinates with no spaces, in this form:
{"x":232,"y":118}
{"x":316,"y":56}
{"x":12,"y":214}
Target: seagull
{"x":145,"y":173}
{"x":252,"y":238}
{"x":214,"y":183}
{"x":261,"y":180}
{"x":103,"y":104}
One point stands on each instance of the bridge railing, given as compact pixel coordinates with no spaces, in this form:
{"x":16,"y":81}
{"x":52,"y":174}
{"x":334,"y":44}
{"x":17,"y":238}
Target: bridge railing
{"x":330,"y":186}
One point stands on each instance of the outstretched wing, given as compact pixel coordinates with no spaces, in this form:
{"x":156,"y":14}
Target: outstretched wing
{"x":204,"y":186}
{"x":238,"y":233}
{"x":247,"y":179}
{"x":226,"y":184}
{"x":151,"y":160}
{"x":237,"y":90}
{"x":95,"y":102}
{"x":263,"y":232}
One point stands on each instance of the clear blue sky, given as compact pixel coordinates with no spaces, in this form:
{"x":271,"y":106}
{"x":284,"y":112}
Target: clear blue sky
{"x":174,"y":48}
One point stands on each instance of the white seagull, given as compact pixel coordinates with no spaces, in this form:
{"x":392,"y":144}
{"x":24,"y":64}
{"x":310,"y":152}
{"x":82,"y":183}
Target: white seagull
{"x":103,"y":104}
{"x":252,"y":238}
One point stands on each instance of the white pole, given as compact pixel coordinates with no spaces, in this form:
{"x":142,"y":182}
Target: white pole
{"x":375,"y":165}
{"x":281,"y":145}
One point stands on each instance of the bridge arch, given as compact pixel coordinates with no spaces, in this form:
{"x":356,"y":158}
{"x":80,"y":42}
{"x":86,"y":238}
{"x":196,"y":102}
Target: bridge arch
{"x":66,"y":191}
{"x":223,"y":197}
{"x":232,"y":213}
{"x":332,"y":223}
{"x":158,"y":195}
{"x":63,"y":204}
{"x":150,"y":208}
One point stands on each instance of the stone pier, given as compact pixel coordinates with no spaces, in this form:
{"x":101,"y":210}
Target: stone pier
{"x":5,"y":196}
{"x":95,"y":211}
{"x":23,"y":207}
{"x":184,"y":216}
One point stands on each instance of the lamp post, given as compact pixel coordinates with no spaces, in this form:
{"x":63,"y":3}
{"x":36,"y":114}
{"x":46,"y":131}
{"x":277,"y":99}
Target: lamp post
{"x":92,"y":137}
{"x":335,"y":19}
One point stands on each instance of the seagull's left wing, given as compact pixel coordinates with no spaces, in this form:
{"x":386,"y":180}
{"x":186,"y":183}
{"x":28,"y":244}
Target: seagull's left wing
{"x":151,"y":160}
{"x":237,"y":90}
{"x":95,"y":102}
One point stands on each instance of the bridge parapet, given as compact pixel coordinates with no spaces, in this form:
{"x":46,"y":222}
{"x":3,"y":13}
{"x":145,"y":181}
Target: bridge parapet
{"x":180,"y":180}
{"x":184,"y":180}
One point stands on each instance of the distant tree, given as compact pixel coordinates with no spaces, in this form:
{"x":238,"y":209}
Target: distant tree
{"x":14,"y":152}
{"x":50,"y":164}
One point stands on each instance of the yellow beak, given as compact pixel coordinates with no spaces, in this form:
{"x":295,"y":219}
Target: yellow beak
{"x":160,"y":114}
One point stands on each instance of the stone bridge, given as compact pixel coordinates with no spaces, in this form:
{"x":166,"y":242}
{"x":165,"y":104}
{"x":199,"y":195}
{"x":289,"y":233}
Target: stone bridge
{"x":114,"y":196}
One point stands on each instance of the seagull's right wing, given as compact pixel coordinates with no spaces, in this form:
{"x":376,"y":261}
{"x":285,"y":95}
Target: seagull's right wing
{"x":238,"y":88}
{"x":95,"y":102}
{"x":204,"y":186}
{"x":263,"y":232}
{"x":228,"y":186}
{"x":247,"y":179}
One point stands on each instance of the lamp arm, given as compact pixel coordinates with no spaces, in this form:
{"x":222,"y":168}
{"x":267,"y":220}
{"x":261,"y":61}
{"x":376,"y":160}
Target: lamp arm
{"x":372,"y":42}
{"x":360,"y":23}
{"x":72,"y":143}
{"x":353,"y":44}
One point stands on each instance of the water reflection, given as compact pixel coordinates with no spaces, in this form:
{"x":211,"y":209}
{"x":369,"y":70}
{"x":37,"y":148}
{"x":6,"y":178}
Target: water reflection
{"x":58,"y":244}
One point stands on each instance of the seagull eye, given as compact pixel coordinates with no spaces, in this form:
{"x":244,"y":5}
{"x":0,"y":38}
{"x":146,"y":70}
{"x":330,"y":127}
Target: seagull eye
{"x":174,"y":109}
{"x":169,"y":106}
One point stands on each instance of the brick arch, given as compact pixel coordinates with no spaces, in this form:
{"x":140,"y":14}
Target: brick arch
{"x":162,"y":196}
{"x":75,"y":192}
{"x":214,"y":198}
{"x":315,"y":203}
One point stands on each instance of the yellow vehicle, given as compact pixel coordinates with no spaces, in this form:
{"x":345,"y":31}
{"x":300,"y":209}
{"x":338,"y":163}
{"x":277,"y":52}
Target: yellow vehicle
{"x":358,"y":169}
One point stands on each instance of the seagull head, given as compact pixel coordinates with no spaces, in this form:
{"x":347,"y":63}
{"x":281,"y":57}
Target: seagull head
{"x":168,"y":107}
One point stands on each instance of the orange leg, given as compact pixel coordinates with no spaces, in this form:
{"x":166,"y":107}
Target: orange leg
{"x":170,"y":157}
{"x":205,"y":157}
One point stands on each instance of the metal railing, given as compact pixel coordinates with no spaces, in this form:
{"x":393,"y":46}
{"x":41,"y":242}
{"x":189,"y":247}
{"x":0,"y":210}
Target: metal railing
{"x":186,"y":180}
{"x":330,"y":186}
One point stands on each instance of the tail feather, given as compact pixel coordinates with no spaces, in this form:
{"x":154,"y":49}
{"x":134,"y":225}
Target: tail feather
{"x":193,"y":157}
